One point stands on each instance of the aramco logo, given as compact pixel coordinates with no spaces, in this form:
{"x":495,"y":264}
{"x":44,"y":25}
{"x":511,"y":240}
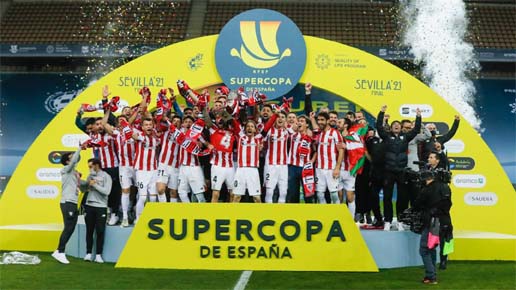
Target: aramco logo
{"x":260,"y":52}
{"x":261,"y":49}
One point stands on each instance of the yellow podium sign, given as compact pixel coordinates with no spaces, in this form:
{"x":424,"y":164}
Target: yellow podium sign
{"x":281,"y":237}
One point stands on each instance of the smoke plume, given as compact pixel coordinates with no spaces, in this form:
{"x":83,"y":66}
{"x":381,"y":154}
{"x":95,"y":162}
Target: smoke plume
{"x":435,"y":32}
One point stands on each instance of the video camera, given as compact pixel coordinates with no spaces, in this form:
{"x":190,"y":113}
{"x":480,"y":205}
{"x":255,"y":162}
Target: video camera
{"x":438,"y":174}
{"x":414,"y":219}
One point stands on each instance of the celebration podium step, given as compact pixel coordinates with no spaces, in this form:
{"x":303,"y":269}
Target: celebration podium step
{"x":392,"y":249}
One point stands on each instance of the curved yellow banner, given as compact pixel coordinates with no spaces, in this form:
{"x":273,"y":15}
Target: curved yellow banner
{"x":484,"y":201}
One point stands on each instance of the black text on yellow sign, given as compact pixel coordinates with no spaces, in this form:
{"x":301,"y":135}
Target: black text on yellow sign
{"x":296,"y":237}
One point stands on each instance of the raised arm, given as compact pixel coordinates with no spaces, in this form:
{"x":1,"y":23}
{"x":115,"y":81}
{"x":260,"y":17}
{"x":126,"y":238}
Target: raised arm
{"x":207,"y":119}
{"x":105,"y":122}
{"x":175,"y":105}
{"x":379,"y":123}
{"x":105,"y":94}
{"x":269,"y":124}
{"x":417,"y":128}
{"x":446,"y":137}
{"x":73,"y":161}
{"x":308,"y":99}
{"x":315,"y":126}
{"x":78,"y":121}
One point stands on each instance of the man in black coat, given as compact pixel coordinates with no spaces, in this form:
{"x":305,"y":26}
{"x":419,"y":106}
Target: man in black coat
{"x":429,"y":144}
{"x":396,"y":158}
{"x":435,"y":202}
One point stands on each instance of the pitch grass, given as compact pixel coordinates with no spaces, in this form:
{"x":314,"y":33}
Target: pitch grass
{"x":85,"y":275}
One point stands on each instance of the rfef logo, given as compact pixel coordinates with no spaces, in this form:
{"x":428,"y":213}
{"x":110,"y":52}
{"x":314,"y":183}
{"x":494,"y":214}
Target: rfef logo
{"x":261,"y":49}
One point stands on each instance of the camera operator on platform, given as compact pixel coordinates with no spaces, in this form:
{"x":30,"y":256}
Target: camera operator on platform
{"x":435,"y":202}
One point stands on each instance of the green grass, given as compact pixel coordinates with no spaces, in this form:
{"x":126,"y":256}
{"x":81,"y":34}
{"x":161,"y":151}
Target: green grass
{"x":83,"y":275}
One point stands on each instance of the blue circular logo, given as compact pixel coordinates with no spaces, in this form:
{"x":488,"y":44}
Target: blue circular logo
{"x":261,"y":49}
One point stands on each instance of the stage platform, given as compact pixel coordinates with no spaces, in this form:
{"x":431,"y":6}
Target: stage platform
{"x":391,"y":249}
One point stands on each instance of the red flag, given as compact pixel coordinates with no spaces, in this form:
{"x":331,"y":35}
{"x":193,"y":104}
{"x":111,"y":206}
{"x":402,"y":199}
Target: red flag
{"x":222,"y":140}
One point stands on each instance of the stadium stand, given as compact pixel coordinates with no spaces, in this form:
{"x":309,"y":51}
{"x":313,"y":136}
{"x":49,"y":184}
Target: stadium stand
{"x":363,"y":23}
{"x":350,"y":23}
{"x":369,"y":23}
{"x":138,"y":22}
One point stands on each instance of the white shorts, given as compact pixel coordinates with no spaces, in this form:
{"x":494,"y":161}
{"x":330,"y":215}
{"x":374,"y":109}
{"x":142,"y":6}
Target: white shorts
{"x":220,"y":175}
{"x":346,"y":181}
{"x":276,"y":175}
{"x":247,"y":178}
{"x":191,"y":177}
{"x":324,"y":180}
{"x":168,"y":175}
{"x":127,"y":176}
{"x":146,"y":182}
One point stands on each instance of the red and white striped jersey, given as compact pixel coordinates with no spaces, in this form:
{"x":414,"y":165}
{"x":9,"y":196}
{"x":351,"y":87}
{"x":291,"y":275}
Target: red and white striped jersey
{"x":146,"y":148}
{"x":327,"y":152}
{"x":169,"y":154}
{"x":249,"y":151}
{"x":222,"y":159}
{"x":106,"y":152}
{"x":126,"y":149}
{"x":276,"y":140}
{"x":188,"y":159}
{"x":223,"y":140}
{"x":296,"y":156}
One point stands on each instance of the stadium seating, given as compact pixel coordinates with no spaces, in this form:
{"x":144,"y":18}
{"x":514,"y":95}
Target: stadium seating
{"x":138,"y":22}
{"x":162,"y":22}
{"x":350,"y":23}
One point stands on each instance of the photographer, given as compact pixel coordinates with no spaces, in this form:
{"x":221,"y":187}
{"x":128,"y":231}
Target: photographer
{"x":435,"y":202}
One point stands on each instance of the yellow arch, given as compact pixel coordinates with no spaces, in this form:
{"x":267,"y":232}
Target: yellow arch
{"x":482,"y":232}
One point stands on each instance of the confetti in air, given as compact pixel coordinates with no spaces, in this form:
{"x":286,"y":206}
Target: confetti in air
{"x":435,"y":32}
{"x":124,"y":30}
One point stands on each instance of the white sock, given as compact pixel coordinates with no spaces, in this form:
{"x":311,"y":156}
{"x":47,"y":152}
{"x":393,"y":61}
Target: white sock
{"x":282,"y":197}
{"x":269,"y":193}
{"x":320,"y":197}
{"x":162,"y":198}
{"x":173,"y":199}
{"x":153,"y":198}
{"x":140,"y":205}
{"x":125,"y":205}
{"x":184,"y":197}
{"x":334,"y":197}
{"x":352,"y":207}
{"x":200,"y":197}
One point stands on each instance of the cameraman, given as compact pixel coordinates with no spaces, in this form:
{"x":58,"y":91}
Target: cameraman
{"x":435,"y":201}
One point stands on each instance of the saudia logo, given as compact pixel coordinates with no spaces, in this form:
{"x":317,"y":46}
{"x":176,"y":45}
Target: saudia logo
{"x":261,"y":49}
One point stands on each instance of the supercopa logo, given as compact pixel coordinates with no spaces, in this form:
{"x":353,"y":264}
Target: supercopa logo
{"x":261,"y":49}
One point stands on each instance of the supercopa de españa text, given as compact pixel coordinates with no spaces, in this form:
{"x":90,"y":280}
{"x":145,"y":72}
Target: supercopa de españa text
{"x":226,"y":230}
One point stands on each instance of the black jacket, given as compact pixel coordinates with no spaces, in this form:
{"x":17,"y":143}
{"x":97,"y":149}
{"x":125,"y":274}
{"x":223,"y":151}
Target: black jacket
{"x":429,"y":144}
{"x":435,"y":201}
{"x":375,"y":148}
{"x":396,"y":147}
